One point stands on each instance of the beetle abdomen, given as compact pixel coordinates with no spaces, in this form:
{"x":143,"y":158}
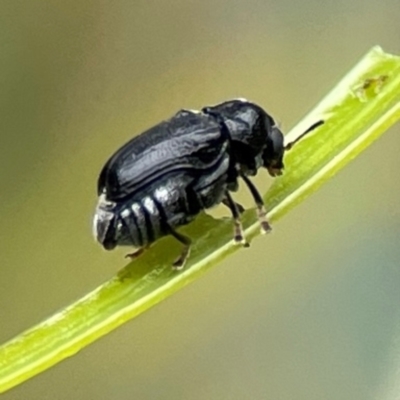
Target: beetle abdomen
{"x":139,"y":222}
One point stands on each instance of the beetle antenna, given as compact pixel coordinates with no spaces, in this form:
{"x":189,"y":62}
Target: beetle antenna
{"x":311,"y":128}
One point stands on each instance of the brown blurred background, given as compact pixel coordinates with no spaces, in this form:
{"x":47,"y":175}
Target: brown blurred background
{"x":311,"y":312}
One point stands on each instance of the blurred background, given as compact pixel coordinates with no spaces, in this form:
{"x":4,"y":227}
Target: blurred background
{"x":311,"y":312}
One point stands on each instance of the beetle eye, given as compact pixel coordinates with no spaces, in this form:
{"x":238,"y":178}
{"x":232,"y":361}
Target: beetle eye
{"x":273,"y":153}
{"x":277,"y":142}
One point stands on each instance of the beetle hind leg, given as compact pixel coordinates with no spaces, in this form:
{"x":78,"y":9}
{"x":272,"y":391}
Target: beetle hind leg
{"x":239,"y":207}
{"x":179,"y":263}
{"x":261,"y":211}
{"x":137,"y":253}
{"x":238,"y":235}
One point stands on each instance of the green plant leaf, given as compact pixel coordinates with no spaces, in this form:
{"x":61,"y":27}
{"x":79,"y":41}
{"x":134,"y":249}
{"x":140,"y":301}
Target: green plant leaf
{"x":361,"y":107}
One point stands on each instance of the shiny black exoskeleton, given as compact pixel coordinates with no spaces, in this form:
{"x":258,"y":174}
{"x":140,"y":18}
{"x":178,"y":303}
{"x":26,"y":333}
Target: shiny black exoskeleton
{"x":164,"y":177}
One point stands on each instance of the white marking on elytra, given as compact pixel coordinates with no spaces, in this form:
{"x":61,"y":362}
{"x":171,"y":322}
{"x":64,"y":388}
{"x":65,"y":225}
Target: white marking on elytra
{"x":125,"y":213}
{"x":135,"y":208}
{"x":94,"y":226}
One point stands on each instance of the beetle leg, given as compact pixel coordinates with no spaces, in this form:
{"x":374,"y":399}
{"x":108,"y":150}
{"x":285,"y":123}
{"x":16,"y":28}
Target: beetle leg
{"x":239,"y":207}
{"x":238,"y":236}
{"x":136,"y":253}
{"x":261,"y":211}
{"x":179,"y":263}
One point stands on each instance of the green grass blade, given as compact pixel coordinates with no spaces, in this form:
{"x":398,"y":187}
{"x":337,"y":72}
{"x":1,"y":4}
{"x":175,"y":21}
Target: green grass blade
{"x":364,"y":105}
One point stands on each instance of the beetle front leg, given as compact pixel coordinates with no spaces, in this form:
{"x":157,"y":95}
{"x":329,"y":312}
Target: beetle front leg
{"x":179,"y":263}
{"x":238,"y":236}
{"x":261,"y":211}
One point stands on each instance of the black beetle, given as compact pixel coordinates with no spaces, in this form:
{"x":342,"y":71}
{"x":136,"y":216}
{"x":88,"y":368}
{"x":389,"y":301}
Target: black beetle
{"x":164,"y":177}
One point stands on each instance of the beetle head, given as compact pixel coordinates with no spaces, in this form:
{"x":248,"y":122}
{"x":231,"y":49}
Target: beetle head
{"x":273,"y":153}
{"x":256,"y":139}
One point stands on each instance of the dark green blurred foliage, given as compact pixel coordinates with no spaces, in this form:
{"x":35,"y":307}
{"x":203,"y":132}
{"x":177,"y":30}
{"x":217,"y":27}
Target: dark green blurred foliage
{"x":311,"y":312}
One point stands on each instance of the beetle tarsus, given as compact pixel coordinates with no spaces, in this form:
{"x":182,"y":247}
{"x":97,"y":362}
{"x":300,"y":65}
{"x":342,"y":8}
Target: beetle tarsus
{"x":262,"y":218}
{"x":136,"y":254}
{"x":179,"y":263}
{"x":261,"y":211}
{"x":238,"y":236}
{"x":265,"y":226}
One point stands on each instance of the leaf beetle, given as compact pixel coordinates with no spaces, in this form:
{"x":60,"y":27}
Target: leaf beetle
{"x":162,"y":178}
